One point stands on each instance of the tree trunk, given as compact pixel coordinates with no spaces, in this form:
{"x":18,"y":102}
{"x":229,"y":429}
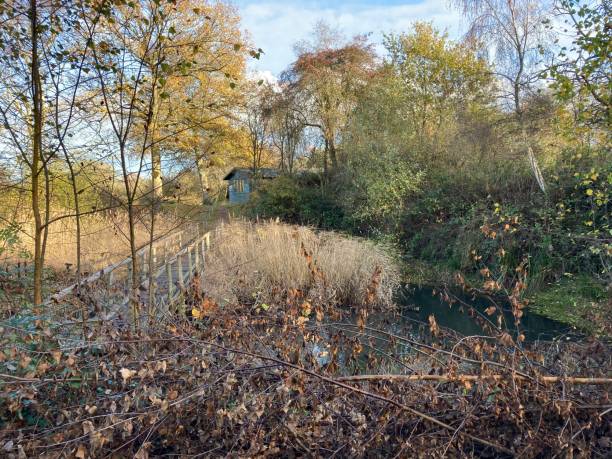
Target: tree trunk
{"x":533,"y":162}
{"x":134,"y":275}
{"x":325,"y":153}
{"x":47,"y":194}
{"x":203,"y":176}
{"x":36,"y":155}
{"x":156,"y":177}
{"x":133,"y":291}
{"x":77,"y":211}
{"x":332,"y":154}
{"x":156,"y":171}
{"x":151,"y":267}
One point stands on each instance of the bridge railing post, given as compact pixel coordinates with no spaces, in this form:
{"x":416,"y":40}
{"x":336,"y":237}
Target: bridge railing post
{"x":180,"y":278}
{"x":189,"y":260}
{"x":196,"y":254}
{"x":170,"y":282}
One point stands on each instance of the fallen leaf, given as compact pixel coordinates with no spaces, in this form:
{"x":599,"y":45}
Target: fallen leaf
{"x":126,"y":374}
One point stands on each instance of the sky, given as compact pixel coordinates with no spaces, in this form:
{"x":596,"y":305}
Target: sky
{"x":275,"y":25}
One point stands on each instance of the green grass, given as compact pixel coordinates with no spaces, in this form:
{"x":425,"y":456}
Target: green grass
{"x":426,"y":274}
{"x":575,"y":300}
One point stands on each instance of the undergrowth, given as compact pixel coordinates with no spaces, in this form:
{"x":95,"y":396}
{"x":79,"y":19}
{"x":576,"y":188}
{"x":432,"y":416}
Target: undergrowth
{"x":233,"y":380}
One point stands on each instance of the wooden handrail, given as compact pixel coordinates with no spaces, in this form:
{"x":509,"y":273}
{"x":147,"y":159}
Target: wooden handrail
{"x":164,"y":269}
{"x":107,"y":270}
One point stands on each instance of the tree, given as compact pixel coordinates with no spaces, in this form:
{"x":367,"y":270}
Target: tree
{"x":287,"y":126}
{"x":207,"y":92}
{"x":127,"y":89}
{"x":437,"y":79}
{"x":257,"y":114}
{"x":33,"y":34}
{"x":584,"y":71}
{"x":329,"y":74}
{"x":200,"y":52}
{"x":516,"y":31}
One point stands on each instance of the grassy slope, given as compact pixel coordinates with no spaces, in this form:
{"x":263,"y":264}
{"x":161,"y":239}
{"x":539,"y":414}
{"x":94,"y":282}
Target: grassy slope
{"x":578,"y":301}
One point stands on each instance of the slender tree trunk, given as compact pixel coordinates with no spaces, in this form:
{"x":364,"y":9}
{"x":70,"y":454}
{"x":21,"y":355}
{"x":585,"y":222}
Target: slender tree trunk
{"x":130,"y":194}
{"x":203,"y":177}
{"x":47,"y":195}
{"x":325,"y":153}
{"x":332,"y":154}
{"x":533,"y":162}
{"x":77,"y":211}
{"x":156,"y":170}
{"x":151,"y":265}
{"x":36,"y":155}
{"x":135,"y":268}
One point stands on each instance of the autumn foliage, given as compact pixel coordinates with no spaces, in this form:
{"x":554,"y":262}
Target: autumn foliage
{"x":237,"y":380}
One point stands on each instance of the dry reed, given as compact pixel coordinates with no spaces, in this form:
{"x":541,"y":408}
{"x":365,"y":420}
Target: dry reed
{"x":257,"y":261}
{"x":104,"y":239}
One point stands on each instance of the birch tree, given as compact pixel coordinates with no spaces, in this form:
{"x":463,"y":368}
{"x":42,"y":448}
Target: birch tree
{"x":515,"y":31}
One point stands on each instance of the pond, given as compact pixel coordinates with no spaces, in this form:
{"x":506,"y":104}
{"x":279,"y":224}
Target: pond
{"x":419,"y":303}
{"x":410,"y":321}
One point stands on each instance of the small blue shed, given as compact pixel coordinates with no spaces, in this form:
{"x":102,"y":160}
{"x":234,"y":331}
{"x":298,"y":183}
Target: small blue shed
{"x":240,"y":182}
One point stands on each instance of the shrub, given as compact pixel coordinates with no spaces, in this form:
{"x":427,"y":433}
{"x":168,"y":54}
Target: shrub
{"x":299,"y":199}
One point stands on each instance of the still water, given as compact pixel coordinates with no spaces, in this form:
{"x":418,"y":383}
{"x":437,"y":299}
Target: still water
{"x":419,"y":303}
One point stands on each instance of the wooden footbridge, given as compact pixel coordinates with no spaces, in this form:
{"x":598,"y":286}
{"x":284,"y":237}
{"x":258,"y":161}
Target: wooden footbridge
{"x":166,"y":267}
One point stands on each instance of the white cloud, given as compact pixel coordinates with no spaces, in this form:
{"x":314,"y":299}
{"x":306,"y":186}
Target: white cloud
{"x":275,"y":25}
{"x":266,"y":75}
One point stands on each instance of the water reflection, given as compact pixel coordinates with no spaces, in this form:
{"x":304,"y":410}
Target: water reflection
{"x":419,"y":303}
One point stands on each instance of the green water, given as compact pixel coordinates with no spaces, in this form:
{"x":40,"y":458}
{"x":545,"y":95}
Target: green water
{"x":417,"y":304}
{"x":410,"y":320}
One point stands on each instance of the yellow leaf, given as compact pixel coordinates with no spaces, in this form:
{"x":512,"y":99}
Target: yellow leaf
{"x":196,"y":313}
{"x":306,"y":308}
{"x":57,"y":355}
{"x":126,"y":374}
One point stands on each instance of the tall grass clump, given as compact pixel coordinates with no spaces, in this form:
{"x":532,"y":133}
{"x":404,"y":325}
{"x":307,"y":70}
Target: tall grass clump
{"x":258,"y":262}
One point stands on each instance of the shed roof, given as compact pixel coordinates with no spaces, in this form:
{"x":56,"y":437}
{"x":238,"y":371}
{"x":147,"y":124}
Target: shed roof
{"x":238,"y":173}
